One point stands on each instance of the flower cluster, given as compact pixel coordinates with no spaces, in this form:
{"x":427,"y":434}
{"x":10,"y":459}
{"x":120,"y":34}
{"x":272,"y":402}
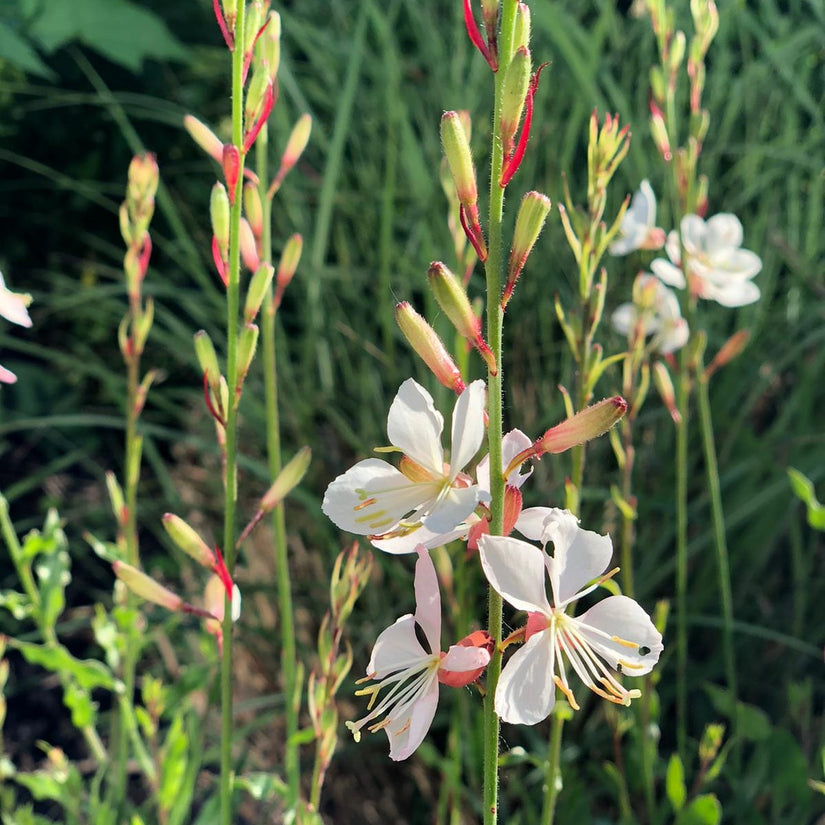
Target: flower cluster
{"x":430,"y":500}
{"x":14,"y":308}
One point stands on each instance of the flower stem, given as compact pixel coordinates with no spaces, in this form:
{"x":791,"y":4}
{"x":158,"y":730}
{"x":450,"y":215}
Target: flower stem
{"x":230,"y":466}
{"x":552,"y":770}
{"x":495,"y":320}
{"x":273,"y":446}
{"x":683,"y":397}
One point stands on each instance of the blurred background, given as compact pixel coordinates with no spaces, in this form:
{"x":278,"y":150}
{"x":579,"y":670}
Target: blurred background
{"x":81,"y":91}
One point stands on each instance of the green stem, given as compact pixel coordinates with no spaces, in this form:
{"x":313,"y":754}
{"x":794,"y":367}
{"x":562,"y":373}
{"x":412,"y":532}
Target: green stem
{"x":495,"y":320}
{"x":273,"y":445}
{"x":717,"y":513}
{"x":230,"y":458}
{"x":552,"y":771}
{"x":683,"y":397}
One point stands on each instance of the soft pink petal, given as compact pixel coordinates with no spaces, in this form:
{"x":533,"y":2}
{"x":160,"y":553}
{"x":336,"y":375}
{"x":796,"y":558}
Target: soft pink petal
{"x":622,"y":617}
{"x":396,"y":648}
{"x":409,"y":723}
{"x":468,"y":426}
{"x":415,"y":426}
{"x":460,"y":659}
{"x":526,"y":691}
{"x":7,"y":376}
{"x":516,"y":571}
{"x":427,"y":599}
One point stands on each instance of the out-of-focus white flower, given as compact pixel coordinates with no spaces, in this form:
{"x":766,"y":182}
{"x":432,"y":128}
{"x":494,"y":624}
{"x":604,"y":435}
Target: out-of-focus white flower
{"x":615,"y":636}
{"x":7,"y":376}
{"x":13,"y":305}
{"x":654,"y":311}
{"x":410,"y":673}
{"x":373,"y":498}
{"x":638,"y":228}
{"x":718,"y":268}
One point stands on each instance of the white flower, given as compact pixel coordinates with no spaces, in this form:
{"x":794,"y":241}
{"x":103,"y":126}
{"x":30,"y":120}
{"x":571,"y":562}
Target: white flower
{"x":656,"y":310}
{"x":512,"y":444}
{"x":373,"y":498}
{"x":638,"y":228}
{"x":615,"y":635}
{"x":411,"y":672}
{"x":718,"y":268}
{"x":13,"y":305}
{"x":7,"y":376}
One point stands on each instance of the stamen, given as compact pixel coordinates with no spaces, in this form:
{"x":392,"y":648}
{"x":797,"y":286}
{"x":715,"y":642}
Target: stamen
{"x":364,"y":504}
{"x":567,"y":693}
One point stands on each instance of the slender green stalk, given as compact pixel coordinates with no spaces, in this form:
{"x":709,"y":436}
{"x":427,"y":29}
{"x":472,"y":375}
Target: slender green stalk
{"x":230,"y":465}
{"x":720,"y":542}
{"x":682,"y":398}
{"x":552,"y":770}
{"x":273,"y":446}
{"x":495,"y":319}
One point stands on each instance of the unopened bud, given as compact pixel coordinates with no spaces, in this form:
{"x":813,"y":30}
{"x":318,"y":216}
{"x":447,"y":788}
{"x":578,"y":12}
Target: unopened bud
{"x":290,"y":258}
{"x":207,"y":358}
{"x":428,"y":346}
{"x":143,"y":178}
{"x":116,"y":497}
{"x":253,"y":20}
{"x":219,"y":214}
{"x":146,"y":587}
{"x":460,"y":160}
{"x":530,"y":220}
{"x":590,"y":423}
{"x":295,"y":145}
{"x":143,"y":325}
{"x":204,"y":137}
{"x":249,"y":248}
{"x":231,"y":165}
{"x":269,"y":44}
{"x":514,"y":95}
{"x":521,"y":33}
{"x":188,"y":540}
{"x":288,"y":479}
{"x":453,"y":300}
{"x":247,"y":344}
{"x":257,"y":290}
{"x":253,"y":209}
{"x":731,"y":349}
{"x":710,"y":742}
{"x":664,"y":384}
{"x":657,"y":84}
{"x":659,"y":132}
{"x":677,"y":52}
{"x":214,"y":600}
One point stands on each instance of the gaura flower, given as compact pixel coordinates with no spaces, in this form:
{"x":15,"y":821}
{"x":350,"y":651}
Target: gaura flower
{"x":374,"y":498}
{"x":638,"y":228}
{"x":409,"y":671}
{"x":13,"y":305}
{"x":6,"y":376}
{"x":615,"y":636}
{"x":718,"y":268}
{"x":654,"y":311}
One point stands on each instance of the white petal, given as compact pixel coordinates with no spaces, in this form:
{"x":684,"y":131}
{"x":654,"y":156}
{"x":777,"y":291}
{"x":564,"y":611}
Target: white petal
{"x":468,"y":427}
{"x":427,"y":599}
{"x":644,"y":203}
{"x":533,"y":523}
{"x":516,"y":571}
{"x":396,"y":648}
{"x":13,"y":307}
{"x":624,"y":318}
{"x":694,"y":234}
{"x":668,"y":272}
{"x":395,"y":496}
{"x":579,"y":556}
{"x":724,"y":231}
{"x":409,"y":724}
{"x":672,"y":247}
{"x":512,"y":444}
{"x":415,"y":426}
{"x":736,"y":294}
{"x":453,"y":508}
{"x":672,"y":336}
{"x":620,"y":617}
{"x":526,"y":691}
{"x":7,"y":376}
{"x":420,"y":535}
{"x":737,"y":263}
{"x":460,"y":658}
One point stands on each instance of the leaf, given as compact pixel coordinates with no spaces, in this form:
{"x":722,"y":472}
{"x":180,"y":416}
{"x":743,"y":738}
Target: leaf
{"x":17,"y":604}
{"x":704,"y":810}
{"x":18,"y":52}
{"x":120,"y":30}
{"x":79,"y":702}
{"x":804,"y":489}
{"x":88,"y":673}
{"x":262,"y":786}
{"x":53,"y":576}
{"x":675,"y":783}
{"x":751,"y":722}
{"x":173,"y":767}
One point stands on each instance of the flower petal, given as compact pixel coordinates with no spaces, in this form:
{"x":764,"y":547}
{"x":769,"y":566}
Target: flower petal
{"x":722,"y":231}
{"x":415,"y":426}
{"x":516,"y":571}
{"x":7,"y":376}
{"x":624,"y":318}
{"x":459,"y":659}
{"x":427,"y":599}
{"x":398,"y":545}
{"x":526,"y":691}
{"x":409,"y":723}
{"x":734,"y":294}
{"x":668,"y":273}
{"x":468,"y":427}
{"x":620,"y":631}
{"x":512,"y":444}
{"x":455,"y":504}
{"x":396,"y":648}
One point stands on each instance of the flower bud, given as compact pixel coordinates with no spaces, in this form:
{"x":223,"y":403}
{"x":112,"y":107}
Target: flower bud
{"x":290,"y":258}
{"x":428,"y":346}
{"x":116,"y":497}
{"x":207,"y":358}
{"x":204,"y":137}
{"x":219,"y":214}
{"x":677,"y":52}
{"x":188,"y":540}
{"x":247,"y":344}
{"x":298,"y":140}
{"x":253,"y":209}
{"x":269,"y":44}
{"x":143,"y":179}
{"x":460,"y":160}
{"x":659,"y":132}
{"x":249,"y":249}
{"x":214,"y":600}
{"x":453,"y":300}
{"x":529,"y":223}
{"x":143,"y":325}
{"x":146,"y":587}
{"x":257,"y":290}
{"x":253,"y":20}
{"x":521,"y":34}
{"x":289,"y":478}
{"x":731,"y":349}
{"x":585,"y":425}
{"x":661,"y":378}
{"x":514,"y":95}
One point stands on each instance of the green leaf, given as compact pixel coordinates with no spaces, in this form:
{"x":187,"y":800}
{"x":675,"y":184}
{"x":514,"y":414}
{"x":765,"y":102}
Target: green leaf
{"x":804,"y":489}
{"x":704,"y":810}
{"x":262,"y":786}
{"x":751,"y":722}
{"x":18,"y":52}
{"x":675,"y":783}
{"x":17,"y":604}
{"x":88,"y":673}
{"x":119,"y":30}
{"x":173,"y":766}
{"x":79,"y":702}
{"x":53,"y":575}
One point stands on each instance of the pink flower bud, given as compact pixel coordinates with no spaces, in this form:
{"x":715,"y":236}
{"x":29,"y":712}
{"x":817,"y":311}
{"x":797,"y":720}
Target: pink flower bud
{"x":187,"y":539}
{"x":249,"y":248}
{"x":146,"y":587}
{"x":231,"y":164}
{"x":459,"y":158}
{"x":658,"y":130}
{"x":204,"y":137}
{"x":253,"y":209}
{"x":290,"y":258}
{"x":288,"y":479}
{"x":258,"y":286}
{"x":661,"y":378}
{"x":428,"y":346}
{"x":585,"y":425}
{"x":298,"y":140}
{"x":530,"y":220}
